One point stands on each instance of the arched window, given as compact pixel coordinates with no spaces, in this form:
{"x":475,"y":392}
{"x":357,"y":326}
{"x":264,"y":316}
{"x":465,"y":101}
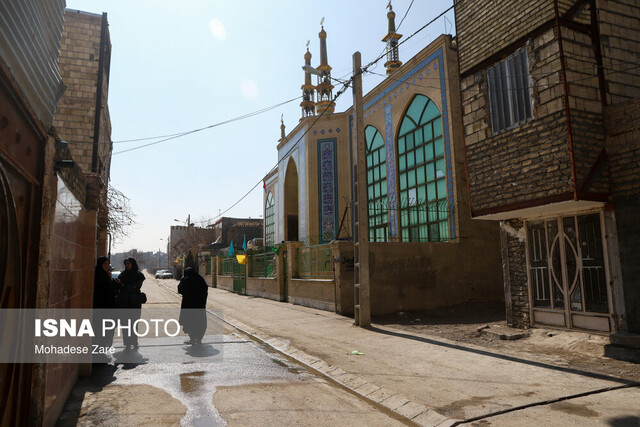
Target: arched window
{"x":424,"y":213}
{"x":269,"y":221}
{"x":376,"y":185}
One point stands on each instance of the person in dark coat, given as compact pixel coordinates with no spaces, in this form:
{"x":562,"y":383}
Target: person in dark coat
{"x":105,"y":290}
{"x":104,"y":287}
{"x":129,"y":297}
{"x":193,"y":317}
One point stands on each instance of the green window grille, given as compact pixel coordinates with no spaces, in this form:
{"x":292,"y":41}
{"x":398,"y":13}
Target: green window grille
{"x":263,"y":264}
{"x":269,"y":221}
{"x":376,"y":185}
{"x":315,"y":262}
{"x":422,"y":175}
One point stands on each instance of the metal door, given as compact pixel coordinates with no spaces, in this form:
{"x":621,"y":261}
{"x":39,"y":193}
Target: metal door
{"x":239,"y":278}
{"x":568,"y":283}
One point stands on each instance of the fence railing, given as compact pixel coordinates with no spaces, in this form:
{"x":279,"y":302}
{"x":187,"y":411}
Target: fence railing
{"x":227,"y":266}
{"x":315,"y":262}
{"x":263,"y":264}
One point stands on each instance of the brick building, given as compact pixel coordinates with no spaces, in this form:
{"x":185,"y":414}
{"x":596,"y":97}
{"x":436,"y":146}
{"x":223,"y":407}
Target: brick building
{"x":49,"y":200}
{"x":550,"y":108}
{"x":82,"y":117}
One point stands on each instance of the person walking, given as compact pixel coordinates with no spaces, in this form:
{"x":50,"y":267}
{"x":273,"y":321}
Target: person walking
{"x":130,"y":298}
{"x":105,"y":290}
{"x":193,"y":316}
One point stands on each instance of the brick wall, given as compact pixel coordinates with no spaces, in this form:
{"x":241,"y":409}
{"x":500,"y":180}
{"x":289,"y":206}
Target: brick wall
{"x":623,"y":147}
{"x":514,"y":269}
{"x":484,"y":24}
{"x":75,"y":115}
{"x":622,"y":122}
{"x":530,"y":161}
{"x":620,"y":40}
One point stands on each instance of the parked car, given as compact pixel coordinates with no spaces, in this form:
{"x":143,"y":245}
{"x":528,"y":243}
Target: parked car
{"x":164,"y":274}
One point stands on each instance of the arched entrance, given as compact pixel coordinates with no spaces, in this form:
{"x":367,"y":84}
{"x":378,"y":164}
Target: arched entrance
{"x":291,"y":202}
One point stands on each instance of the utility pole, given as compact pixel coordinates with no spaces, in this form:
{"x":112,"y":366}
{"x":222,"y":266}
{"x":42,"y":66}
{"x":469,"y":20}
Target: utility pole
{"x":362,"y":301}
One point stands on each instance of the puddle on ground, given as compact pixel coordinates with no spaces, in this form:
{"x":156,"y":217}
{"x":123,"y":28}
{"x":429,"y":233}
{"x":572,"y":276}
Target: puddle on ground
{"x":574,"y":409}
{"x":189,"y":382}
{"x":291,"y":369}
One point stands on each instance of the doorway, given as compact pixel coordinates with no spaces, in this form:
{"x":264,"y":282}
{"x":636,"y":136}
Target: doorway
{"x":291,"y":202}
{"x":568,"y":278}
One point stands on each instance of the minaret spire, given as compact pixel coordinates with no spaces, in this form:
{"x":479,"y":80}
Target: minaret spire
{"x":391,"y":39}
{"x":282,"y":134}
{"x":324,"y":87}
{"x":308,"y":90}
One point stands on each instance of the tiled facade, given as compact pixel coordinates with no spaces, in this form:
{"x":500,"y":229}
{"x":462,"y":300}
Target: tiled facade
{"x":408,"y":272}
{"x":574,"y":156}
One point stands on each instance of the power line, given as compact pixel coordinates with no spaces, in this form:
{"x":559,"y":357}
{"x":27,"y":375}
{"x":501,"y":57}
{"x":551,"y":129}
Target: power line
{"x":181,"y":134}
{"x":338,"y":94}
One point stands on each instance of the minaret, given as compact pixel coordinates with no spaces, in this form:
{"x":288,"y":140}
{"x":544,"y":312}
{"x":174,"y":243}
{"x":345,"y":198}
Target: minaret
{"x":391,"y":39}
{"x":324,"y":87}
{"x":308,"y":90}
{"x":282,"y":134}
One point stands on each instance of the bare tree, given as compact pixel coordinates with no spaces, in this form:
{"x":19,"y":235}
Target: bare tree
{"x":115,"y":214}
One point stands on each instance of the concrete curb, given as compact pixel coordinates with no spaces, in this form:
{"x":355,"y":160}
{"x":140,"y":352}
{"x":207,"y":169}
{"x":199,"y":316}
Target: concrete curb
{"x":412,"y":412}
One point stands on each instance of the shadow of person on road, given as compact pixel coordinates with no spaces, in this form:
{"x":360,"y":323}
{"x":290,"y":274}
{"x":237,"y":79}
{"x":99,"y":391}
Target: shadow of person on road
{"x":628,"y":421}
{"x":201,"y":350}
{"x":102,"y":374}
{"x":129,"y":359}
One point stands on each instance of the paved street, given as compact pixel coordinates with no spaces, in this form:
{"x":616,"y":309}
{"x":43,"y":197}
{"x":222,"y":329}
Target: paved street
{"x":300,"y":372}
{"x":229,"y":380}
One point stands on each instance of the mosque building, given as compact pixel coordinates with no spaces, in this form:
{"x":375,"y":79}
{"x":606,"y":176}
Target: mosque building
{"x":425,"y":250}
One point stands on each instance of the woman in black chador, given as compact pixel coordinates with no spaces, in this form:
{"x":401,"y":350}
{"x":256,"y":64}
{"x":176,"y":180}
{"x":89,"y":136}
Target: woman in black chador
{"x":105,"y":290}
{"x":129,"y":297}
{"x":193,"y":316}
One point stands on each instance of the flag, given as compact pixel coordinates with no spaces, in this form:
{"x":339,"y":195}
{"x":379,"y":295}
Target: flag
{"x":244,"y":243}
{"x":231,"y":249}
{"x":264,"y":187}
{"x":242,"y":259}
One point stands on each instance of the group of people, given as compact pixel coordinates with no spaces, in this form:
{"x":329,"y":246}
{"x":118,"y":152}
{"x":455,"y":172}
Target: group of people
{"x":124,"y":292}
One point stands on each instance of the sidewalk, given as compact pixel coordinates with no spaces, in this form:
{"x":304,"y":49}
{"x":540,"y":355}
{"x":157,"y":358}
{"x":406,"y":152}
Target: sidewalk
{"x":430,"y":380}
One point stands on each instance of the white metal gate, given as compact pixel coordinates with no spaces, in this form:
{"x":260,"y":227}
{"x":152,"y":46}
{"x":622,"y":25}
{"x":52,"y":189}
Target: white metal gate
{"x":568,"y":277}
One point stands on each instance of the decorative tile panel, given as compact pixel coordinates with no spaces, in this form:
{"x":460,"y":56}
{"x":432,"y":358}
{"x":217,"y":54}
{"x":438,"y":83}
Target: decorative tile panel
{"x":327,"y":189}
{"x":391,"y":170}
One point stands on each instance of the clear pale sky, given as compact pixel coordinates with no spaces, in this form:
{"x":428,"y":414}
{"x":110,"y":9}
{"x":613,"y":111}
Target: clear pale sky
{"x":181,"y":65}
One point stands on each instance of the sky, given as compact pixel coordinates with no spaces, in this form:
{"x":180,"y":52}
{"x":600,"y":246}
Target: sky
{"x":178,"y":66}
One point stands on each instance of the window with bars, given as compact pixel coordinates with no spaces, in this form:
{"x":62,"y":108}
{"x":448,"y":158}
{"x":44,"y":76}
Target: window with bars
{"x":424,"y":213}
{"x":269,"y":221}
{"x":376,"y":185}
{"x":509,"y":92}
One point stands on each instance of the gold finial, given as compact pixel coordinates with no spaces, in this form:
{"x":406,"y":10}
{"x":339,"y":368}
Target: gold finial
{"x":389,"y":5}
{"x":308,"y":42}
{"x":282,"y":118}
{"x":322,"y":21}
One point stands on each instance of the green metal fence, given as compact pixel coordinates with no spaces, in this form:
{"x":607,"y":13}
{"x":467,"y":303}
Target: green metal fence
{"x":227,"y":266}
{"x":263,"y":264}
{"x":315,"y":262}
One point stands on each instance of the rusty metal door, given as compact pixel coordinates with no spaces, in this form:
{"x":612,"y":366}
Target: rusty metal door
{"x":21,"y":171}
